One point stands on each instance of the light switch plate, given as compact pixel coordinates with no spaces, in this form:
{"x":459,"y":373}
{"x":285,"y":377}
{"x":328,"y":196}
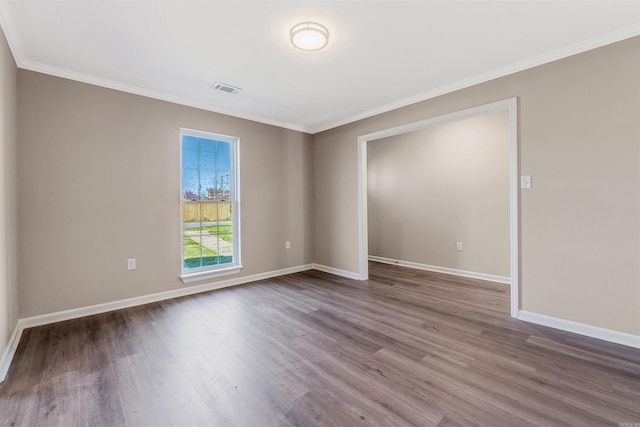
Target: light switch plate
{"x":525,"y":181}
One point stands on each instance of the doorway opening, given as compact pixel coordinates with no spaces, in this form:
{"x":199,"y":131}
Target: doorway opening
{"x":509,"y":105}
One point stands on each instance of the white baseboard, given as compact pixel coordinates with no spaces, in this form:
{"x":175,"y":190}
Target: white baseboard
{"x":336,"y":271}
{"x":445,"y":270}
{"x":7,"y":355}
{"x":160,"y":296}
{"x":581,"y":329}
{"x":540,"y":319}
{"x":75,"y":313}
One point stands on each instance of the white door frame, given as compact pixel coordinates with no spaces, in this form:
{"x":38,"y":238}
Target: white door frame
{"x":510,"y":105}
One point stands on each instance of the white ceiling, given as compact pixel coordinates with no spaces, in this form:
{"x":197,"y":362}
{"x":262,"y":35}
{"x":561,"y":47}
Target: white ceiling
{"x":381,"y":54}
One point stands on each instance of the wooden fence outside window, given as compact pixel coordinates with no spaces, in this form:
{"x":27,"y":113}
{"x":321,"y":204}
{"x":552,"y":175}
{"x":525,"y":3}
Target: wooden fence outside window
{"x":206,"y":211}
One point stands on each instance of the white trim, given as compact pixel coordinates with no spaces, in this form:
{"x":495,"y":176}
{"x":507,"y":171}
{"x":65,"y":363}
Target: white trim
{"x":510,"y":105}
{"x":514,"y":215}
{"x":593,"y":43}
{"x":237,"y":209}
{"x":363,"y":220}
{"x":210,"y":274}
{"x":235,"y":267}
{"x":203,"y":134}
{"x":445,"y":270}
{"x":29,"y":322}
{"x":59,"y":316}
{"x":610,"y":335}
{"x":10,"y":33}
{"x":8,"y":26}
{"x":505,"y":104}
{"x":148,"y":93}
{"x":10,"y":350}
{"x":75,"y":313}
{"x":336,"y":271}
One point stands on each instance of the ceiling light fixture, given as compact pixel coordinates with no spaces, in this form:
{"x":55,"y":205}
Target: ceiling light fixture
{"x":309,"y":36}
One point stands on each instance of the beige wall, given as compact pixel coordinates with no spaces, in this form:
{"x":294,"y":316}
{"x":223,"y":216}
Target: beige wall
{"x":579,"y":137}
{"x":99,"y":178}
{"x":448,"y":183}
{"x":8,"y":198}
{"x":116,"y":154}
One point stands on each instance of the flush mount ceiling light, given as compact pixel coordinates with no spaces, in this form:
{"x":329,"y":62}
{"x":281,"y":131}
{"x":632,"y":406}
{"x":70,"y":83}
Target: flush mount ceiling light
{"x":309,"y":36}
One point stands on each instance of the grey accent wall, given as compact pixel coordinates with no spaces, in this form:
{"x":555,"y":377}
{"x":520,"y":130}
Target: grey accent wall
{"x":8,"y":196}
{"x":448,"y":183}
{"x":99,"y":178}
{"x":579,"y":137}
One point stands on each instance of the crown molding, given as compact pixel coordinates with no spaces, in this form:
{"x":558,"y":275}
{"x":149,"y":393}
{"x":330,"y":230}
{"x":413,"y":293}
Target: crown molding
{"x":590,"y":44}
{"x":9,"y":29}
{"x":10,"y":33}
{"x":149,"y":93}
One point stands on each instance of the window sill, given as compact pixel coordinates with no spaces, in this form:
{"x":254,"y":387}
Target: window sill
{"x":209,"y":274}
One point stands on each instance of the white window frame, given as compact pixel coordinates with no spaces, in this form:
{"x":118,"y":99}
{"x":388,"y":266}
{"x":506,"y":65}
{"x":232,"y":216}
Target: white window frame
{"x":210,"y":272}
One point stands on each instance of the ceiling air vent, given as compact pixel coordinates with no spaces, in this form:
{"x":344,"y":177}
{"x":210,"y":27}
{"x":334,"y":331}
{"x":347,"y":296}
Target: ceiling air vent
{"x":226,"y":88}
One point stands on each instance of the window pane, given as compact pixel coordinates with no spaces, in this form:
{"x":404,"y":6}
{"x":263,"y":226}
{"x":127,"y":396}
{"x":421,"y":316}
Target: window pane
{"x":190,"y":184}
{"x":191,"y":215}
{"x":189,"y":143}
{"x":207,"y":160}
{"x":224,"y":193}
{"x":207,"y":145}
{"x":224,"y":211}
{"x":207,"y":184}
{"x":207,"y":214}
{"x":223,"y":147}
{"x":191,"y":234}
{"x":190,"y":159}
{"x":223,"y":162}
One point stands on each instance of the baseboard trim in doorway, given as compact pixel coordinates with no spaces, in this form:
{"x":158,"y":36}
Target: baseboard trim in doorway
{"x":336,"y":271}
{"x":445,"y":270}
{"x":75,"y":313}
{"x":623,"y":338}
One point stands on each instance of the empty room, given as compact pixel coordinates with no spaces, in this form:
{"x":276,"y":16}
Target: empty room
{"x":320,"y":213}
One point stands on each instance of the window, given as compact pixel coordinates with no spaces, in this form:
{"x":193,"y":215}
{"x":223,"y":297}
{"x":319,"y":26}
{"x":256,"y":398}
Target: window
{"x":210,"y":217}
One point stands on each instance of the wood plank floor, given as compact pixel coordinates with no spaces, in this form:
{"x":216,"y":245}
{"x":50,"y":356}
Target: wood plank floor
{"x":405,"y":348}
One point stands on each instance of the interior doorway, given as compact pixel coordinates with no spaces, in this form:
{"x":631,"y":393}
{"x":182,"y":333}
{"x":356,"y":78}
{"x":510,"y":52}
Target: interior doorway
{"x":508,"y":105}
